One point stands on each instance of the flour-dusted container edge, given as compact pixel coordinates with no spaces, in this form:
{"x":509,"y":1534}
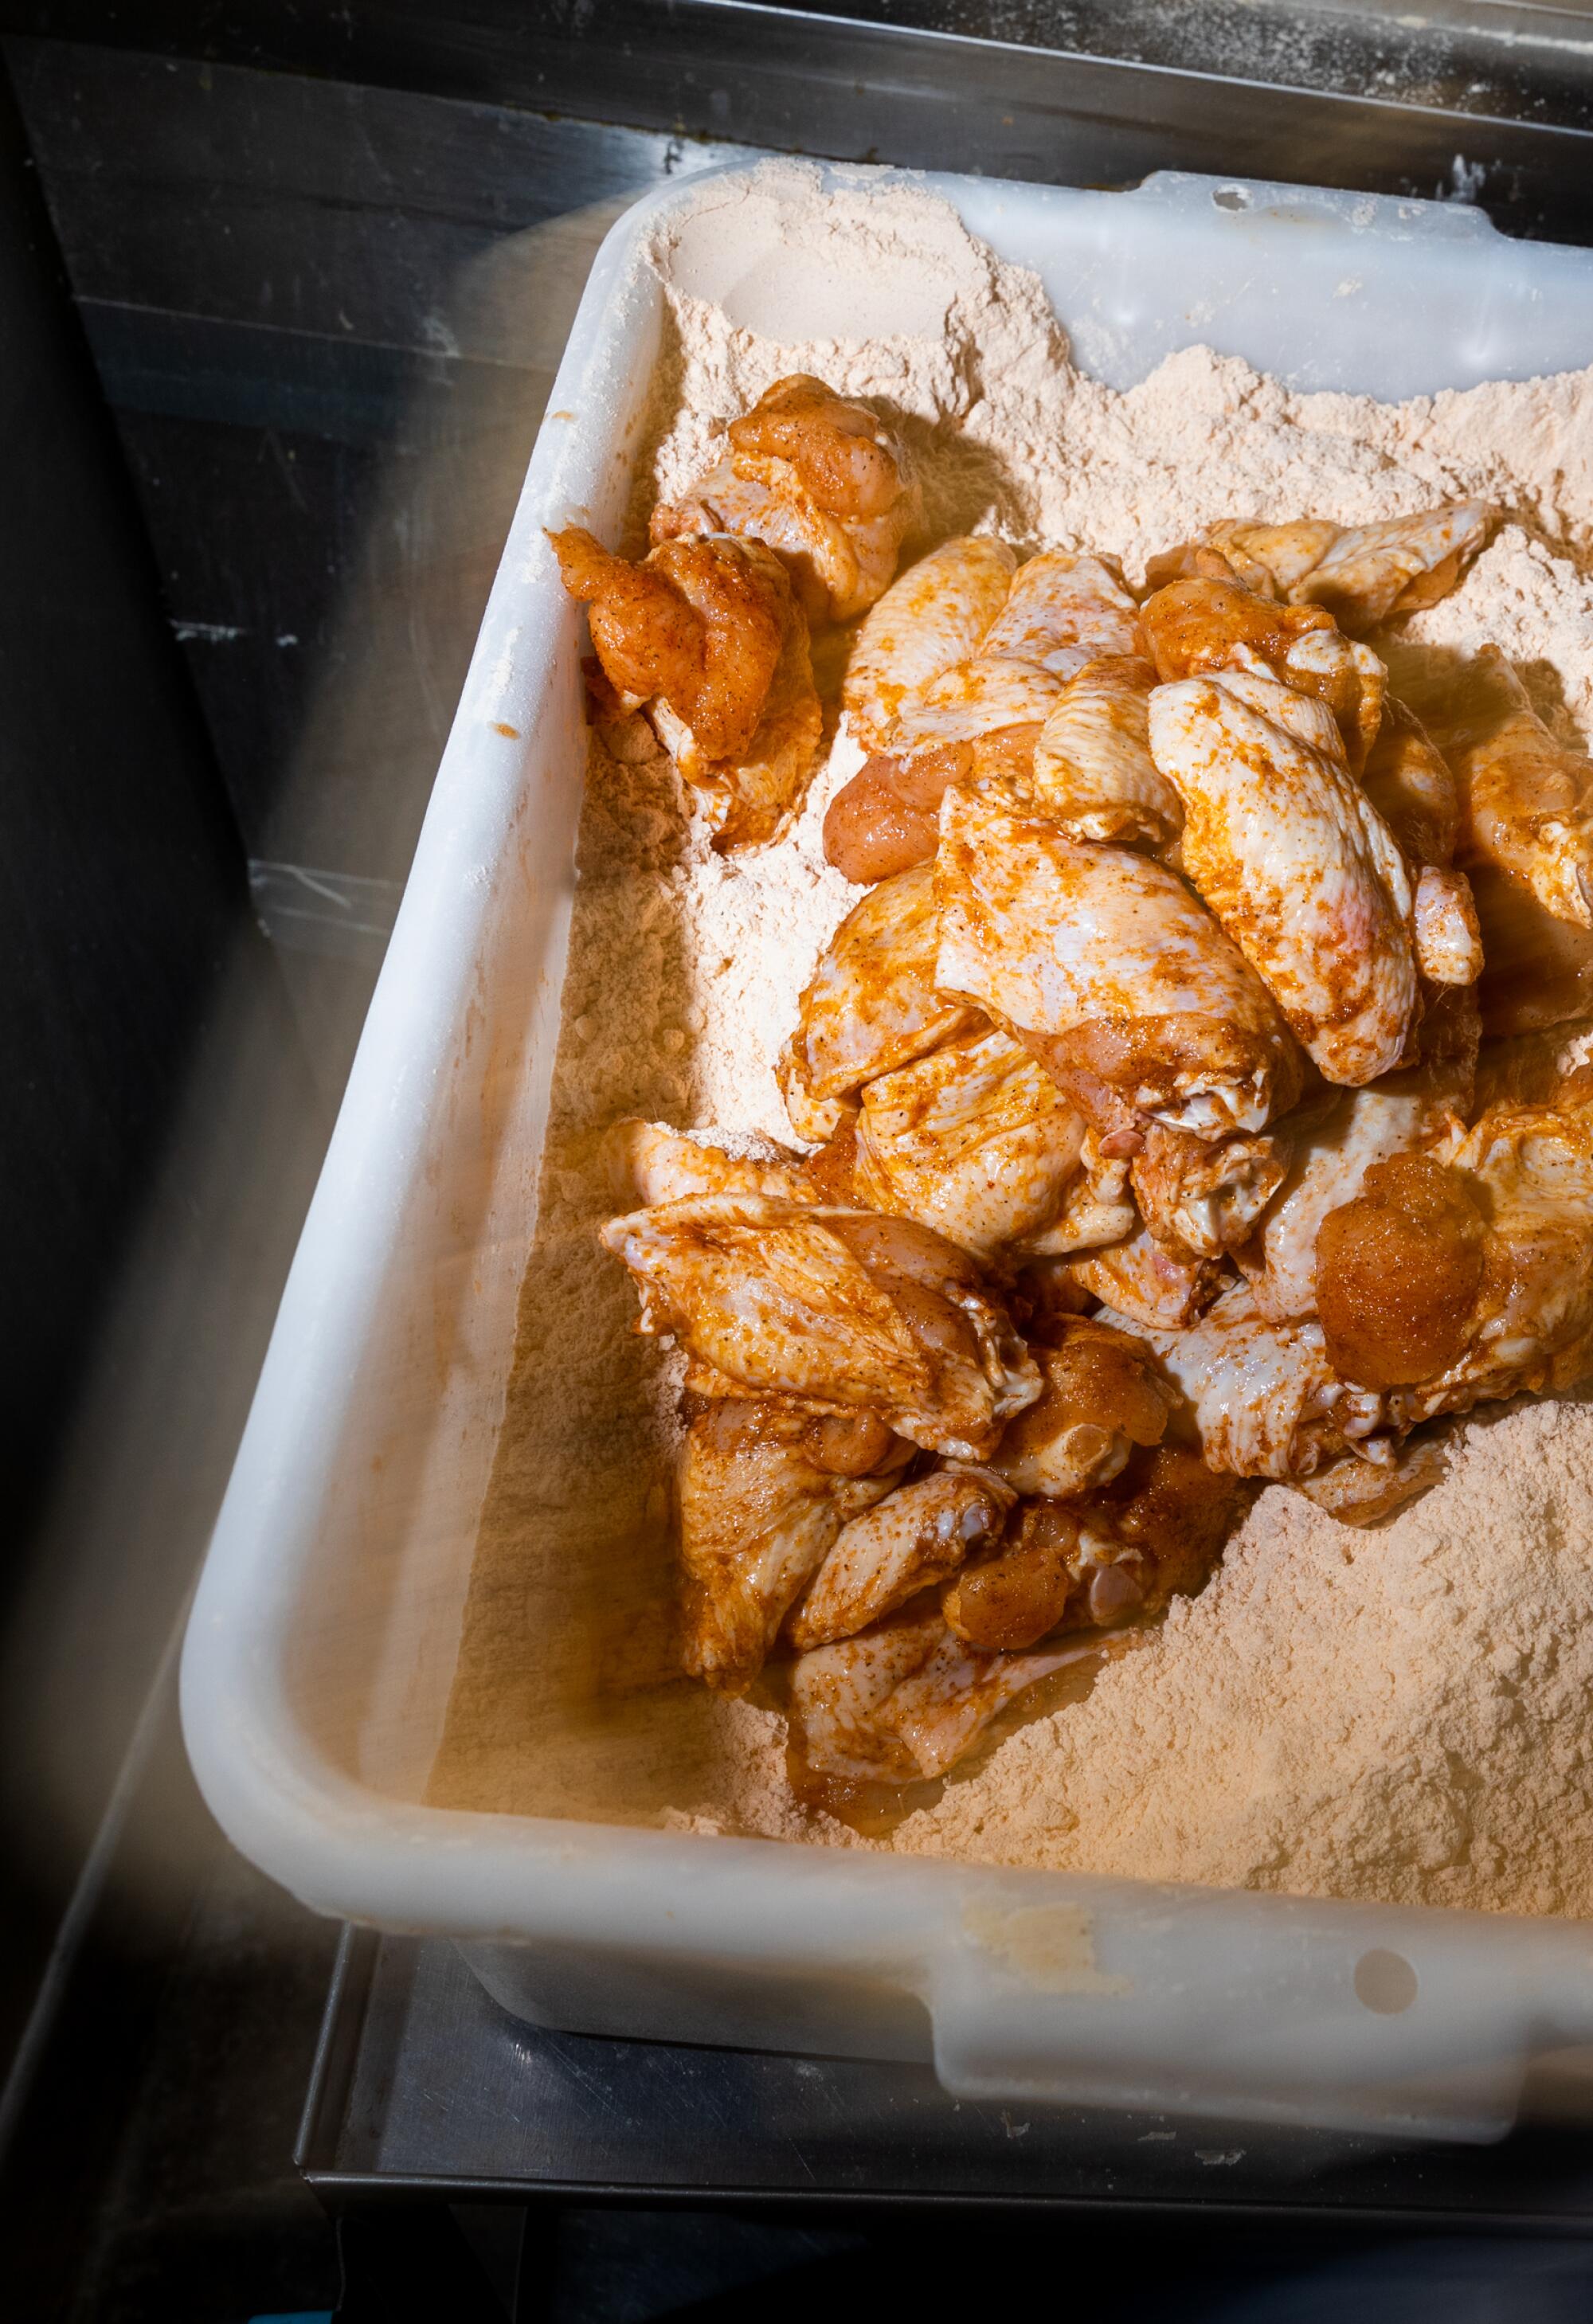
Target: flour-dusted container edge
{"x":325,"y":1628}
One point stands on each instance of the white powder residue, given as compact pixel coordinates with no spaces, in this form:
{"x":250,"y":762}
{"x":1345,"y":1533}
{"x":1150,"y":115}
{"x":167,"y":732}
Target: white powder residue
{"x":1396,"y":1714}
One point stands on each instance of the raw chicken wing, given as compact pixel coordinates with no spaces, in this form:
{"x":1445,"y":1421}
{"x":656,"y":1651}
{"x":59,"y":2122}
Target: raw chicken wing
{"x":907,"y":1699}
{"x":931,"y":617}
{"x":758,"y":1512}
{"x":1093,"y":774}
{"x":1121,"y":981}
{"x":917,"y":1537}
{"x":1065,"y":610}
{"x":651,"y":1163}
{"x":976,"y":1141}
{"x":1296,"y":863}
{"x":822,"y":481}
{"x":707,"y":635}
{"x":871,"y":1004}
{"x":842,"y":1307}
{"x":1268,"y":1402}
{"x":1371,"y":573}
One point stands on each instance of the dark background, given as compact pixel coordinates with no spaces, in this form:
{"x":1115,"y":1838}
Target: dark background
{"x":282,"y":290}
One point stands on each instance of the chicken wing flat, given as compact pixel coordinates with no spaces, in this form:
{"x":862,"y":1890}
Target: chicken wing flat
{"x":1273,"y":558}
{"x":1409,"y":783}
{"x":1372,"y":573}
{"x":1526,"y":803}
{"x":844,"y":1308}
{"x":975,"y":1140}
{"x":871,"y":1004}
{"x":1093,"y":773}
{"x":1200,"y":625}
{"x":1364,"y":573}
{"x":917,"y":1537}
{"x":707,"y":635}
{"x":1135,"y":1001}
{"x":905,"y":1700}
{"x":981,"y":717}
{"x":1065,"y":610}
{"x":932,"y":616}
{"x":1102,"y":1397}
{"x":651,"y":1163}
{"x":1334,"y":1147}
{"x":757,"y":1514}
{"x":819,"y":478}
{"x":1298,"y":866}
{"x":1266,"y":1401}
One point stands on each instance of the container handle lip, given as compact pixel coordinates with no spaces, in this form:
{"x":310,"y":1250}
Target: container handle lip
{"x":1379,"y":218}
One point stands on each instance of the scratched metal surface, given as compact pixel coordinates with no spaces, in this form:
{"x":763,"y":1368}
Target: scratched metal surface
{"x":423,"y":2079}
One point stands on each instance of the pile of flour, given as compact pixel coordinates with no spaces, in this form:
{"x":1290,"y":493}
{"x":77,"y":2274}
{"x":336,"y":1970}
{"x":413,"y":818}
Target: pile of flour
{"x":1396,"y":1714}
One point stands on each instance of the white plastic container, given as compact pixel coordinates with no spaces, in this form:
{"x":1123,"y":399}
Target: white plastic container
{"x":327,"y":1625}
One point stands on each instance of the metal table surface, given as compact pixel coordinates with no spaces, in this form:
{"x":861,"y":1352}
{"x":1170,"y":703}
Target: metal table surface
{"x":423,"y":2087}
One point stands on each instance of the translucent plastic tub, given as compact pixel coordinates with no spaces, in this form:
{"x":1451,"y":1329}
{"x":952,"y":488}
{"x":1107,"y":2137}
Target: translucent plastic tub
{"x":326,"y":1631}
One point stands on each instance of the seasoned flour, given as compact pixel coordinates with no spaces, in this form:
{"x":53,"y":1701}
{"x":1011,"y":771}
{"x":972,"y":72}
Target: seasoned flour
{"x":1396,"y":1714}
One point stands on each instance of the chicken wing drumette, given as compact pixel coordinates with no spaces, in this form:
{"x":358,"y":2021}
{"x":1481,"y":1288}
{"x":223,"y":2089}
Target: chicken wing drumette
{"x":706,"y":637}
{"x":820,"y":479}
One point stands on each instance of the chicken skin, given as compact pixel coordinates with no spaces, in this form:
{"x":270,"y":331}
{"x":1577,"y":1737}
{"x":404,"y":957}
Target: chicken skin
{"x":1297,"y":865}
{"x":1092,"y":772}
{"x":650,"y":1162}
{"x":917,"y":1537}
{"x":708,"y":638}
{"x":842,"y":1308}
{"x":819,"y":480}
{"x":1063,"y":611}
{"x":907,"y":1698}
{"x":1146,"y":1285}
{"x":871,"y":1003}
{"x":1119,"y":978}
{"x":759,"y":1510}
{"x":976,"y":1141}
{"x":932,"y":616}
{"x":1373,"y":573}
{"x":1266,"y":1399}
